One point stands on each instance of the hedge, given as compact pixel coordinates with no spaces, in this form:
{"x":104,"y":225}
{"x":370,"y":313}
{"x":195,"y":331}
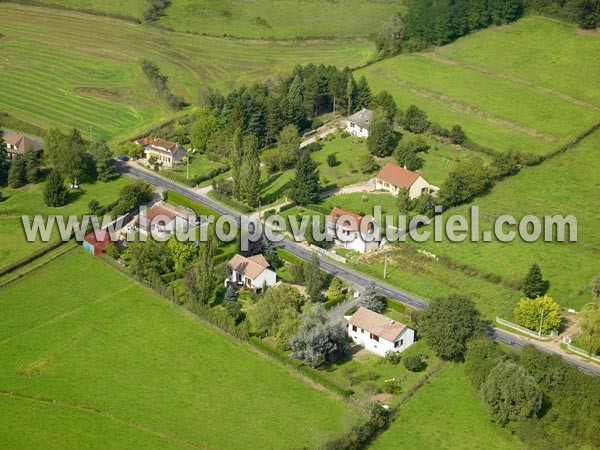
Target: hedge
{"x":238,"y":206}
{"x":305,"y":370}
{"x":396,"y":306}
{"x":194,"y":181}
{"x":334,"y":301}
{"x":178,"y":199}
{"x":35,"y":255}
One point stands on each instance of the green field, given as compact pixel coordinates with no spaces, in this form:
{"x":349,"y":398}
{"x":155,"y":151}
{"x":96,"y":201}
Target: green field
{"x":566,"y":184}
{"x":121,"y":8}
{"x":280,"y":19}
{"x":445,"y":414}
{"x":524,"y":108}
{"x":29,"y":200}
{"x":86,"y":68}
{"x":90,"y":358}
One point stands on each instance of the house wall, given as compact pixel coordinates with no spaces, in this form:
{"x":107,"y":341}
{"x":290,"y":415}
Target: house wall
{"x":363,"y":338}
{"x":354,"y":129}
{"x":267,"y":277}
{"x":417,"y":188}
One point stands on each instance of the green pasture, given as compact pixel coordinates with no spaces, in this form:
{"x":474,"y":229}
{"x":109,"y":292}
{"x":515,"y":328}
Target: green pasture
{"x":89,"y":356}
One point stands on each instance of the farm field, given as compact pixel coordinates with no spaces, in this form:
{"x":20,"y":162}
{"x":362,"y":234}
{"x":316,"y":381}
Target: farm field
{"x":120,"y":8}
{"x":565,"y":184}
{"x":87,"y":68}
{"x":29,"y":200}
{"x":107,"y":361}
{"x":445,"y":414}
{"x":281,"y":19}
{"x":519,"y":110}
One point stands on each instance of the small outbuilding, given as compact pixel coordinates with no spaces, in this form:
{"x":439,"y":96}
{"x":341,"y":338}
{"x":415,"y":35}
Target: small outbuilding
{"x":95,"y":242}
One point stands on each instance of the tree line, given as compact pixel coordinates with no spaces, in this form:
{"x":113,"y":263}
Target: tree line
{"x":159,"y":81}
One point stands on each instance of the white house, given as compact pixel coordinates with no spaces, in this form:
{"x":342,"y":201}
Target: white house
{"x":392,"y":178}
{"x":352,"y":231}
{"x":166,"y":220}
{"x":377,"y":333}
{"x":166,"y":152}
{"x":252,"y":272}
{"x":358,"y":123}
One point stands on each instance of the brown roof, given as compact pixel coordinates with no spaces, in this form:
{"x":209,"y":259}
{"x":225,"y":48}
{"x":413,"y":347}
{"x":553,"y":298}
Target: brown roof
{"x":158,"y":144}
{"x":100,"y":239}
{"x":250,"y":267}
{"x":362,"y":118}
{"x":377,"y":324}
{"x":351,"y":221}
{"x":158,"y":210}
{"x":397,"y":176}
{"x":259,"y":259}
{"x":21,"y":142}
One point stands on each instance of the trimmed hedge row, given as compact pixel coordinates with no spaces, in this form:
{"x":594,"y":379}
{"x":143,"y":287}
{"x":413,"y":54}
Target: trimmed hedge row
{"x":194,"y":181}
{"x":227,"y":201}
{"x":177,"y":199}
{"x":35,"y":255}
{"x":305,"y":370}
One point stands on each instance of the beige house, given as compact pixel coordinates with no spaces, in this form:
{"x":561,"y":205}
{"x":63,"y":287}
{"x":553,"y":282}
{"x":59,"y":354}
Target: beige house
{"x":18,"y":144}
{"x":251,"y":272}
{"x":392,"y":178}
{"x":165,"y":152}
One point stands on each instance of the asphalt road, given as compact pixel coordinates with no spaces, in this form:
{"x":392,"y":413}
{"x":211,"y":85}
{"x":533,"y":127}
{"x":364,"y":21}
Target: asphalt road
{"x":353,"y":277}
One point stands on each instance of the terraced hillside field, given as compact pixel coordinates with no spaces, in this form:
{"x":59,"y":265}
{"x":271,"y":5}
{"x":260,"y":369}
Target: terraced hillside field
{"x":90,"y":358}
{"x":67,"y":69}
{"x":280,"y":19}
{"x":530,"y":86}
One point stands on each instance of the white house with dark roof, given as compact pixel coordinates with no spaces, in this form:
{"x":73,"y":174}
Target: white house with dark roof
{"x":18,"y":144}
{"x":392,"y":178}
{"x":166,"y":152}
{"x":251,"y":272}
{"x":352,"y":231}
{"x":377,"y":333}
{"x":358,"y":123}
{"x":163,"y":219}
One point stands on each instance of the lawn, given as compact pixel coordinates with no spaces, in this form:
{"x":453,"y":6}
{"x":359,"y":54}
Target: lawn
{"x":87,"y":68}
{"x":91,"y":358}
{"x":445,"y":414}
{"x":29,"y":201}
{"x":520,"y":110}
{"x":566,"y":184}
{"x":281,"y":19}
{"x":199,"y":165}
{"x":119,"y":8}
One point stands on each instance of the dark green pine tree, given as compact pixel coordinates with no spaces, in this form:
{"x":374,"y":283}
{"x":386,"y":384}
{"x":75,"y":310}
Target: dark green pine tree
{"x":294,"y":103}
{"x":3,"y":162}
{"x":236,"y":161}
{"x":250,"y":172}
{"x":55,"y":191}
{"x":33,"y":166}
{"x":381,"y":135}
{"x":363,"y":94}
{"x":305,"y":186}
{"x":17,"y":175}
{"x":103,"y":158}
{"x":533,"y":284}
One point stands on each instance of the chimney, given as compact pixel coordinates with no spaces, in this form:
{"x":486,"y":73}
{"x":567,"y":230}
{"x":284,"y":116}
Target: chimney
{"x":392,"y":322}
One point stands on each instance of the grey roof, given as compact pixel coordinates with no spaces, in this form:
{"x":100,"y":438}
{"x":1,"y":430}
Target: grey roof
{"x":362,"y":118}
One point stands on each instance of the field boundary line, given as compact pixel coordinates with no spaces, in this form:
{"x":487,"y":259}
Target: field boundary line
{"x":437,"y":57}
{"x":470,"y":110}
{"x":93,"y":410}
{"x":64,"y":314}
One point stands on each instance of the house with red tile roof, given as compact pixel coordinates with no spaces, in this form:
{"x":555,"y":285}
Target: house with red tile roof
{"x":352,"y":231}
{"x":392,"y":178}
{"x":165,"y":152}
{"x":163,"y":219}
{"x":96,"y":241}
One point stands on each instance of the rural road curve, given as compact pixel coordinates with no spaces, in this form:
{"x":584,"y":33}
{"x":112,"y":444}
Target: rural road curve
{"x":358,"y":279}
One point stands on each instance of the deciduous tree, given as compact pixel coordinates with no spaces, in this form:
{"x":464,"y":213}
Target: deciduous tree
{"x":528,"y":314}
{"x":590,"y":328}
{"x":371,"y":299}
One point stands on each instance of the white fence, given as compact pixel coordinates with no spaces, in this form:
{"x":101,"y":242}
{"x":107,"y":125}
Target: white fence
{"x":331,"y":254}
{"x":581,"y":352}
{"x":527,"y":331}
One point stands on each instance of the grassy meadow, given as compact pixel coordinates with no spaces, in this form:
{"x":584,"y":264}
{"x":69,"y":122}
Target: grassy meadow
{"x":89,"y":356}
{"x":29,"y":200}
{"x":566,"y":184}
{"x":280,"y":19}
{"x":67,"y":69}
{"x":445,"y":414}
{"x":522,"y":109}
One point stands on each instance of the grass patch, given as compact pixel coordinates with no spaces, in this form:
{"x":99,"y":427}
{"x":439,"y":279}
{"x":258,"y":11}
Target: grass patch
{"x":521,"y":109}
{"x":124,"y":353}
{"x":283,"y":19}
{"x":445,"y":414}
{"x":83,"y":57}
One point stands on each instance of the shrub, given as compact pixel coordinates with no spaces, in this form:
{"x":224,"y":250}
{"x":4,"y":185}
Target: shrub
{"x":332,"y":160}
{"x":414,"y":363}
{"x":392,"y":357}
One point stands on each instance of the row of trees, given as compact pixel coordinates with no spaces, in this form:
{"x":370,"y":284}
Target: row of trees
{"x":245,"y":168}
{"x":159,"y":81}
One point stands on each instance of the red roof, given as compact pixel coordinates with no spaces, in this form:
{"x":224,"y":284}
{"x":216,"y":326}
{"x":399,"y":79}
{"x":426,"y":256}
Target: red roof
{"x":351,"y":221}
{"x":99,"y":239}
{"x":397,"y":176}
{"x":158,"y":144}
{"x":157,"y":210}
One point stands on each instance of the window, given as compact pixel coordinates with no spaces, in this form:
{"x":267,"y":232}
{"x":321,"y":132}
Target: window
{"x":375,"y":337}
{"x":354,"y":328}
{"x":399,"y":343}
